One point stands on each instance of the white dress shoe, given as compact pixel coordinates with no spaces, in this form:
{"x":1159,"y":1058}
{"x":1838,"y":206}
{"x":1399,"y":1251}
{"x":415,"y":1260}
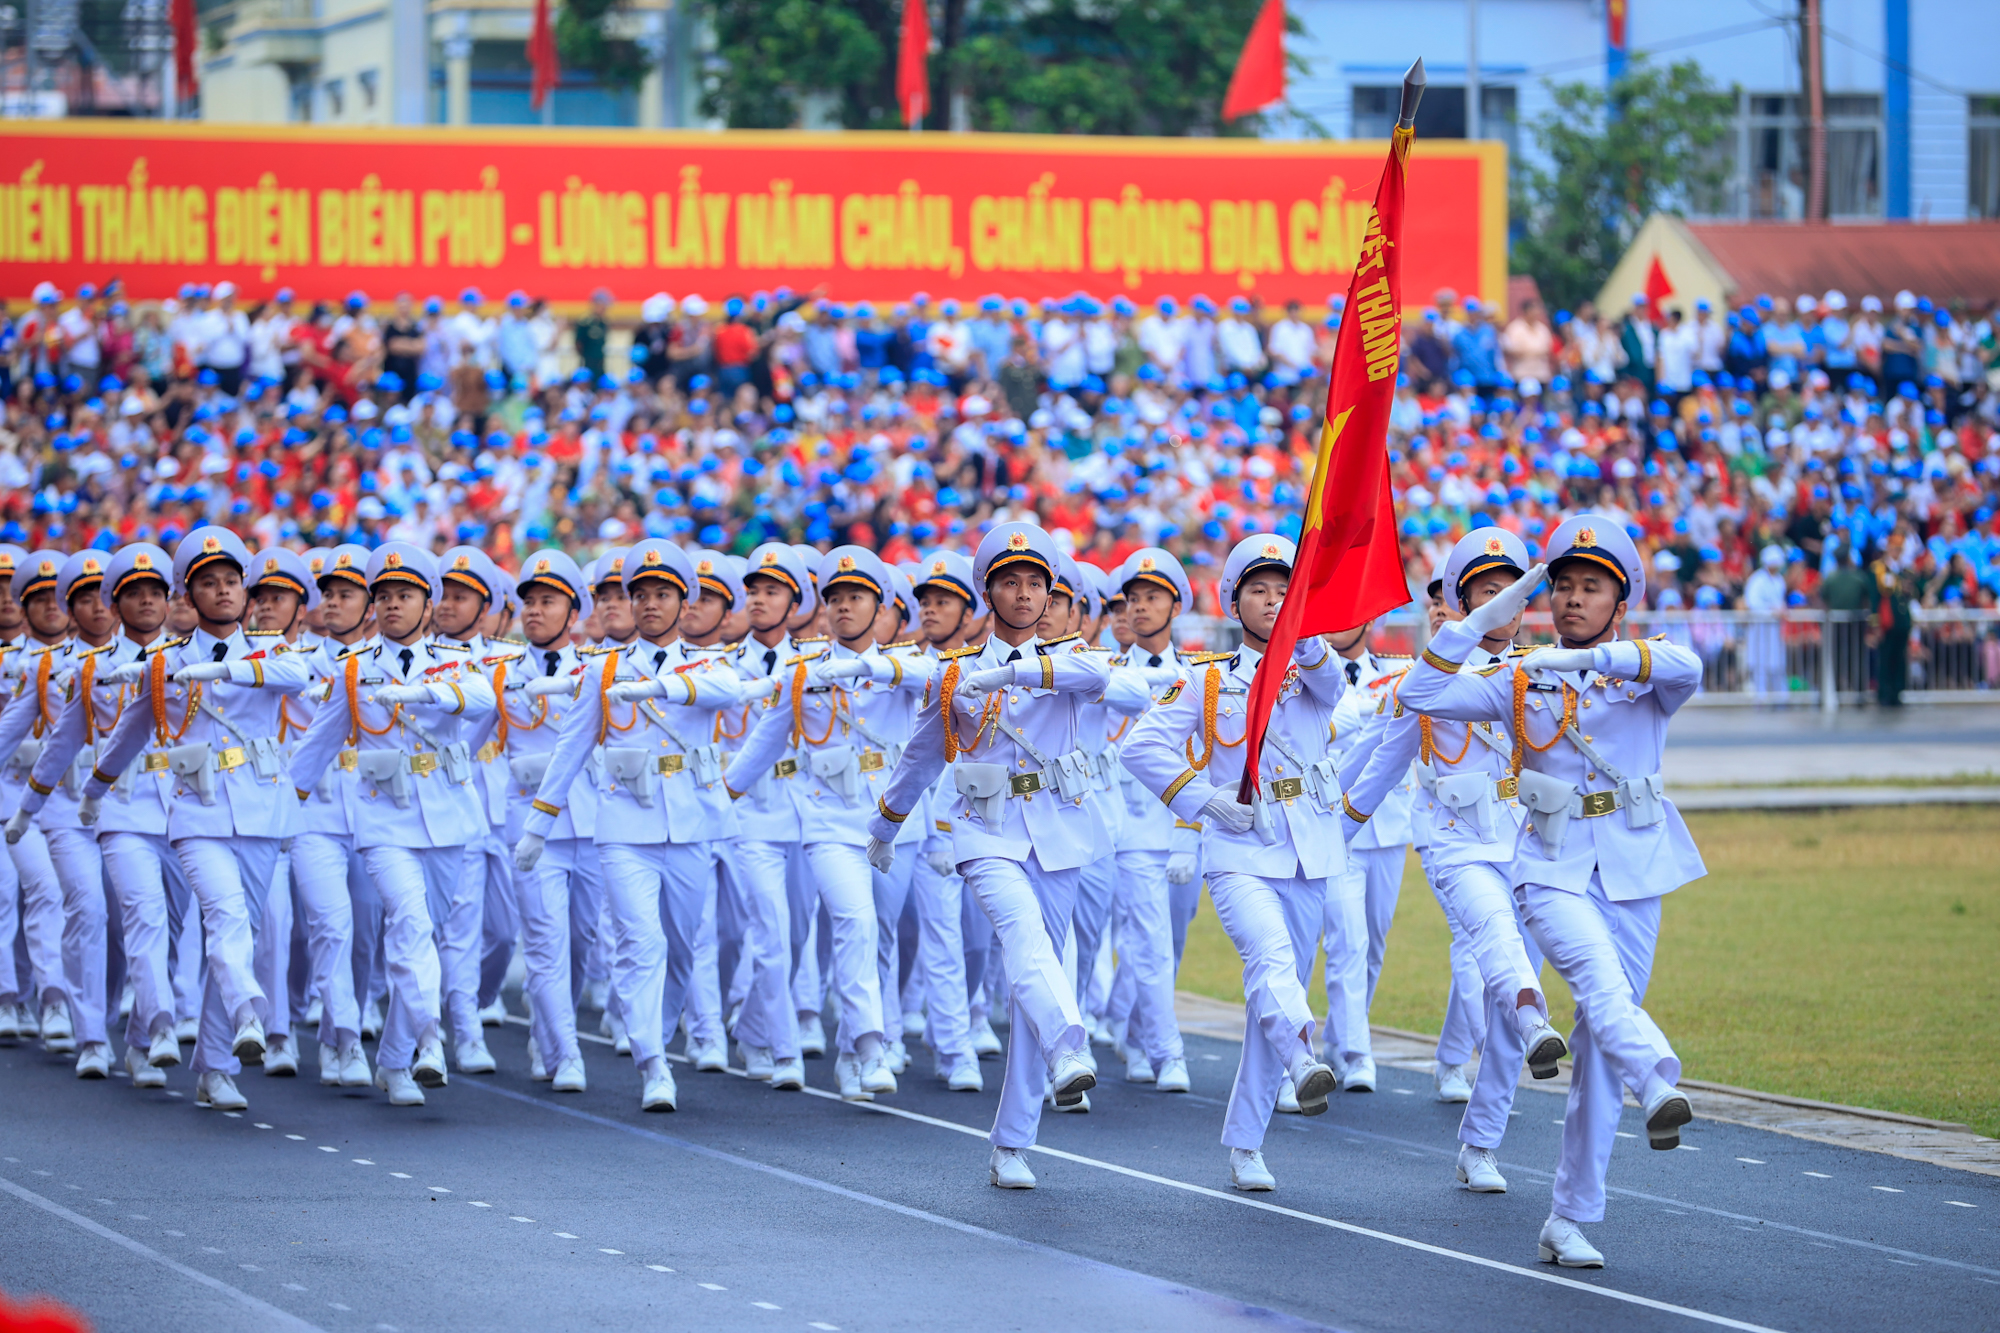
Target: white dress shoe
{"x":757,"y":1063}
{"x":847,"y":1074}
{"x":789,"y":1075}
{"x":964,"y":1075}
{"x":371,"y":1020}
{"x":248,"y":1045}
{"x":494,"y":1015}
{"x":1288,"y":1097}
{"x":1100,"y":1031}
{"x":93,"y":1060}
{"x":474,"y":1057}
{"x":1088,"y":1056}
{"x":1360,"y":1076}
{"x":1544,"y":1045}
{"x":1311,"y":1082}
{"x":314,"y":1012}
{"x":896,"y":1056}
{"x":1070,"y":1079}
{"x":657,"y":1091}
{"x":1453,"y":1088}
{"x":58,"y":1037}
{"x":1081,"y":1106}
{"x":812,"y":1037}
{"x":165,"y":1050}
{"x":1563,"y":1243}
{"x":569,"y":1075}
{"x":10,"y":1022}
{"x":1173,"y":1076}
{"x":1248,"y":1173}
{"x":428,"y":1067}
{"x":281,"y":1060}
{"x":621,"y":1037}
{"x":186,"y":1030}
{"x":218,"y":1090}
{"x":354,"y":1066}
{"x":538,"y":1069}
{"x":143,"y":1074}
{"x":1478,"y":1171}
{"x":711,"y":1057}
{"x":401,"y":1087}
{"x":1009,"y":1170}
{"x":877,"y":1078}
{"x":985,"y":1041}
{"x":1666,"y":1111}
{"x":329,"y":1065}
{"x":1138,"y":1066}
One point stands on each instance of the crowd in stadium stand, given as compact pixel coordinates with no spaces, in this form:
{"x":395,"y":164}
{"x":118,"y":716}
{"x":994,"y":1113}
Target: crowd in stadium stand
{"x":1811,"y":450}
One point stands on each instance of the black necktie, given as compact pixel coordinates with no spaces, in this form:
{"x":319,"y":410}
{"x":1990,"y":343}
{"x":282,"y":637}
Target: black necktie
{"x":1014,"y":656}
{"x":1354,"y":673}
{"x":658,"y":658}
{"x":549,"y":660}
{"x":221,"y":651}
{"x":1153,"y":661}
{"x":770,"y":660}
{"x":406,"y":656}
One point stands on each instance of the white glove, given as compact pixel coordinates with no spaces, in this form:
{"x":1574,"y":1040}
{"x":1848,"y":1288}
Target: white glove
{"x":17,"y":826}
{"x":845,"y":668}
{"x":881,"y":854}
{"x":528,"y":851}
{"x":630,"y":691}
{"x":1224,"y":810}
{"x":1310,"y":651}
{"x":1349,"y":826}
{"x":127,"y":674}
{"x":1158,"y":678}
{"x":941,"y":862}
{"x":987,"y":681}
{"x":202,"y":671}
{"x":1180,"y":867}
{"x":391,"y":695}
{"x":1561,"y":659}
{"x":87,"y":810}
{"x":551,"y":685}
{"x":1499,"y":613}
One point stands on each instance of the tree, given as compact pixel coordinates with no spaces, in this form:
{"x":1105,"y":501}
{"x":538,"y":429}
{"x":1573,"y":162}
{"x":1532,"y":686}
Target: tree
{"x":773,"y":54}
{"x":1652,"y":142}
{"x":585,"y":43}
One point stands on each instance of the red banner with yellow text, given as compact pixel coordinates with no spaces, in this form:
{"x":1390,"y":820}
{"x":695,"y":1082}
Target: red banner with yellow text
{"x":561,"y":213}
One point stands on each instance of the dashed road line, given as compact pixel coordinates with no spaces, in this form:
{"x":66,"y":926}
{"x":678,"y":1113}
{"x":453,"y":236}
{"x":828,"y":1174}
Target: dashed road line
{"x":1753,"y":1161}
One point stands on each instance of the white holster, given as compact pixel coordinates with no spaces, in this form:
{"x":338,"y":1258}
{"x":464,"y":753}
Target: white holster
{"x":704,"y":764}
{"x":25,"y":755}
{"x":1072,"y":775}
{"x":266,"y":759}
{"x":1264,"y":821}
{"x":78,"y":771}
{"x":196,"y":764}
{"x":985,"y":786}
{"x":839,"y":767}
{"x":1645,"y":801}
{"x":1323,"y":782}
{"x":389,"y":770}
{"x":1471,"y":797}
{"x":455,"y":759}
{"x":1551,"y":803}
{"x":528,"y":770}
{"x":633,"y":768}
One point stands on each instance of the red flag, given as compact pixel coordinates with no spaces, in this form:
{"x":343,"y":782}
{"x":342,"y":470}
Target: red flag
{"x":1658,"y":286}
{"x":913,"y":79}
{"x":1349,"y":566}
{"x":1260,"y":71}
{"x":542,"y":57}
{"x":187,"y":48}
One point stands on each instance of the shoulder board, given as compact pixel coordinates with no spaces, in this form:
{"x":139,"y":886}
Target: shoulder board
{"x":1655,"y":638}
{"x":351,"y":650}
{"x":1173,"y":691}
{"x":263,"y":634}
{"x":92,"y":652}
{"x":517,"y":643}
{"x":165,"y":644}
{"x":903,"y":643}
{"x":1089,"y":648}
{"x":815,"y":638}
{"x":1490,"y":668}
{"x":952,"y":654}
{"x":1047,"y":644}
{"x":1203,"y":659}
{"x":599,"y":652}
{"x":438,"y":647}
{"x":498,"y":658}
{"x":1391,"y":661}
{"x":802,"y":658}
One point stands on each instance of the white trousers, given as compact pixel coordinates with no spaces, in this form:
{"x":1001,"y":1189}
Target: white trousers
{"x":840,"y":879}
{"x":1382,"y":871}
{"x":1030,"y":909}
{"x":1097,"y":888}
{"x":1143,"y":908}
{"x":86,"y":925}
{"x":41,"y":921}
{"x":410,"y":881}
{"x":701,"y":1005}
{"x":658,"y":893}
{"x":500,"y":921}
{"x":1486,"y":929}
{"x":152,"y":896}
{"x":941,"y":959}
{"x":892,"y":894}
{"x":230,"y":878}
{"x":271,"y":956}
{"x":324,"y":869}
{"x":1604,"y":951}
{"x":1344,"y":936}
{"x":461,"y":946}
{"x":1273,"y":923}
{"x":558,"y":906}
{"x":757,"y":878}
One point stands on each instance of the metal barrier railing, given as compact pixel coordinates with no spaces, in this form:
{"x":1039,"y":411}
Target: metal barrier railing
{"x":1801,"y":658}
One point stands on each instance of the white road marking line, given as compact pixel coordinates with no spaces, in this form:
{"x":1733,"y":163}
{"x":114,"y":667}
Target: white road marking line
{"x":1886,"y":1189}
{"x":512,"y":1218}
{"x":659,"y":1268}
{"x":1205,"y":1056}
{"x":1753,"y":1161}
{"x":602,"y":1250}
{"x":233,"y":1115}
{"x":14,"y":1160}
{"x":1956,"y":1204}
{"x":1686,"y":1147}
{"x":38,"y":1171}
{"x":338,"y":1306}
{"x":400,"y":1175}
{"x":710,"y":1286}
{"x":324,"y":1148}
{"x":264,"y":1308}
{"x":565,"y":1235}
{"x":260,"y":1124}
{"x":293,"y":1286}
{"x":437,"y":1189}
{"x":824,"y":1328}
{"x":1816,"y":1175}
{"x":1905,"y":1263}
{"x":1822,"y":1244}
{"x":482,"y":1205}
{"x":211,"y":1249}
{"x":296,"y":1138}
{"x":1402,"y":1092}
{"x":139,"y":1217}
{"x":180,"y":1234}
{"x":107,"y":1203}
{"x":1619,"y":1132}
{"x":1555,"y":1122}
{"x":77,"y":1188}
{"x":360,"y":1161}
{"x":250,"y":1268}
{"x":172,"y":1093}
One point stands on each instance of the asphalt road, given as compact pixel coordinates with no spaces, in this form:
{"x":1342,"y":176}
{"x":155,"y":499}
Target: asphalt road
{"x":501,"y":1205}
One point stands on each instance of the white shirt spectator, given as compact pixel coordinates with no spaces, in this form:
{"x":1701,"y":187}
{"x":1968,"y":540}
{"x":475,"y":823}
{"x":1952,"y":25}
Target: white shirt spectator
{"x":1241,"y":348}
{"x":1292,"y":345}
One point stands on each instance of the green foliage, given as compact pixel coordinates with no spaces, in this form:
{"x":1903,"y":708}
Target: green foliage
{"x":1655,"y":141}
{"x":770,"y":54}
{"x":584,"y":43}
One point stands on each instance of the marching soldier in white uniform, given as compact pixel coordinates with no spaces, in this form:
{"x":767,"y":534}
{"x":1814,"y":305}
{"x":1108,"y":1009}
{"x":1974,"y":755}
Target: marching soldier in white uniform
{"x":1268,"y":862}
{"x":700,"y":634}
{"x":1005,"y":721}
{"x":406,"y":708}
{"x":1602,"y":844}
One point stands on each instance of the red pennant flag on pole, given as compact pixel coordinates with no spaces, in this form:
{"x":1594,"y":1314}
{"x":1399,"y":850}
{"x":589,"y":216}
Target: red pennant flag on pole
{"x":913,"y":79}
{"x":1260,"y":71}
{"x":187,"y":48}
{"x":542,"y":57}
{"x":1349,"y":566}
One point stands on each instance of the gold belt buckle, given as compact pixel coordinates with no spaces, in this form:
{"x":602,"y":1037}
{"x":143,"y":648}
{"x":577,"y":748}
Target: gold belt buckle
{"x":488,"y":752}
{"x":348,"y":760}
{"x":156,"y":762}
{"x":670,"y":763}
{"x":1287,"y":789}
{"x":1597,"y":803}
{"x":784,"y":768}
{"x":872,"y":760}
{"x":1025,"y":784}
{"x":231,"y":758}
{"x":423,"y":765}
{"x":1507,"y":788}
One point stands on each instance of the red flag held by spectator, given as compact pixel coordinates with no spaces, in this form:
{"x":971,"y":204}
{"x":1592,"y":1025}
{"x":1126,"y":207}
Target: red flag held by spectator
{"x":1658,"y":286}
{"x":1260,"y":71}
{"x":1349,"y":565}
{"x":187,"y":48}
{"x":913,"y":79}
{"x":542,"y":57}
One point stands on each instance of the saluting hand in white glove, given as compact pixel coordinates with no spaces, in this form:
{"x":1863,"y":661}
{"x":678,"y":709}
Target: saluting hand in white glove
{"x":1496,"y":615}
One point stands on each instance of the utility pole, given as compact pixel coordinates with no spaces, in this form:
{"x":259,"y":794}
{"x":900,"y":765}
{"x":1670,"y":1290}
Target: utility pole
{"x":1812,"y":61}
{"x":1472,"y":125}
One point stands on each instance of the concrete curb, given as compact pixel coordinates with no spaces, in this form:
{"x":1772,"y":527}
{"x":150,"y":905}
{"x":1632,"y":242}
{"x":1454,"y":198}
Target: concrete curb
{"x":1826,"y":798}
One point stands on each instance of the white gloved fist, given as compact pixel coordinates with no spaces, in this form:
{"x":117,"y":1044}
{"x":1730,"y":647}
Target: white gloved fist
{"x":1561,"y":659}
{"x":127,"y":674}
{"x":631,"y":691}
{"x":1223,"y":810}
{"x":195,"y":671}
{"x":1499,"y":613}
{"x":1180,"y":867}
{"x":17,"y":825}
{"x":985,"y":682}
{"x":1311,"y":651}
{"x":528,"y":851}
{"x":941,"y":862}
{"x":551,"y":685}
{"x":881,"y":854}
{"x":845,"y":668}
{"x":88,"y":809}
{"x":391,"y":695}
